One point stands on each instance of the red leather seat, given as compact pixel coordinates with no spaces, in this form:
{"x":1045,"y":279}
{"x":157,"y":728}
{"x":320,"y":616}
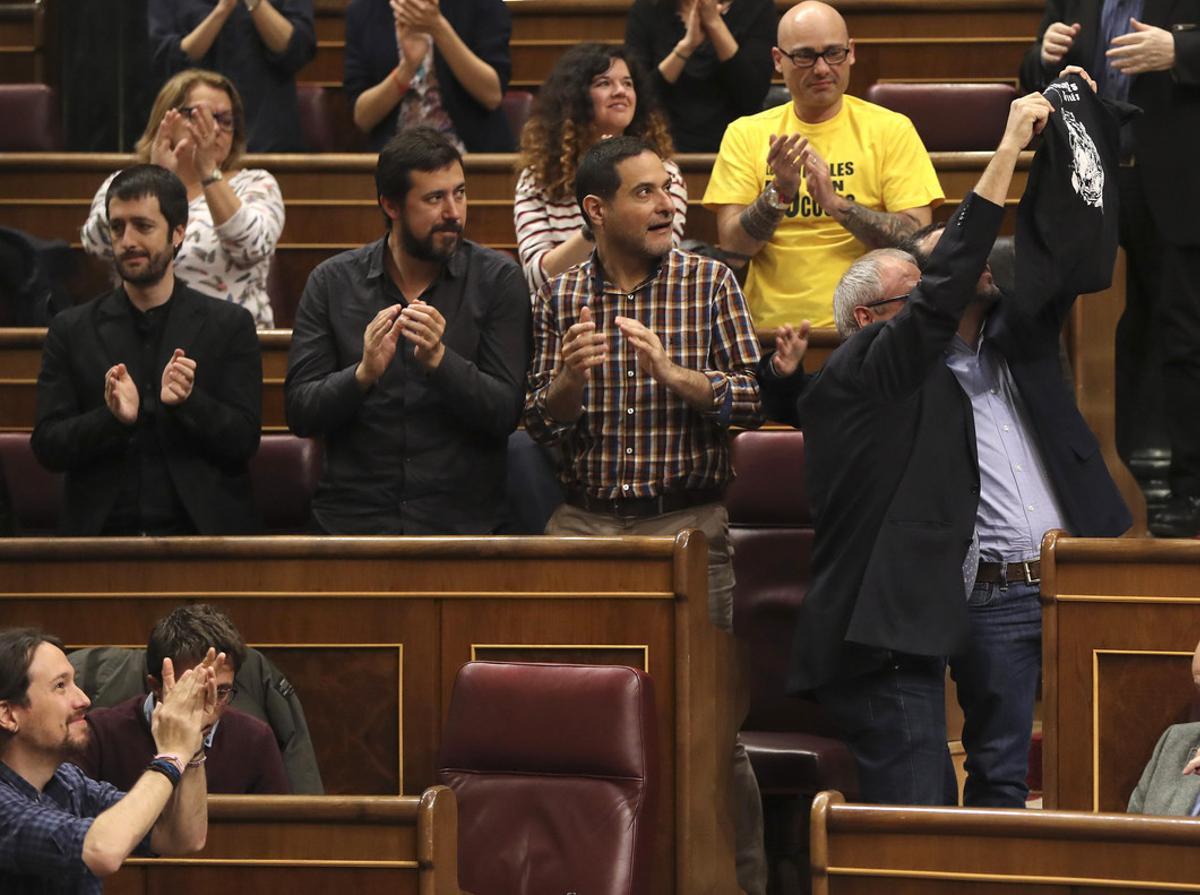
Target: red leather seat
{"x":555,"y":771}
{"x":35,"y":492}
{"x":327,"y":121}
{"x":284,"y":474}
{"x":950,"y":117}
{"x":517,"y":105}
{"x":32,"y":119}
{"x":793,"y":747}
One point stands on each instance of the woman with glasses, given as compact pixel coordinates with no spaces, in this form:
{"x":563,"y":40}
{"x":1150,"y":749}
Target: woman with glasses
{"x":710,"y":62}
{"x":594,"y":91}
{"x":197,"y":129}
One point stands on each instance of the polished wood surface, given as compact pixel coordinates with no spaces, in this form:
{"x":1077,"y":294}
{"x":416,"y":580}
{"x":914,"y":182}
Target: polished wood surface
{"x":1121,"y":618}
{"x":398,"y":844}
{"x":875,"y":850}
{"x":436,"y":602}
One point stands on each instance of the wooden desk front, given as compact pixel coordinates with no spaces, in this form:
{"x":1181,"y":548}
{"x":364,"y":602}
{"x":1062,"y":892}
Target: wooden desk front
{"x":875,"y":850}
{"x":1121,"y":619}
{"x":404,"y":845}
{"x":371,"y":632}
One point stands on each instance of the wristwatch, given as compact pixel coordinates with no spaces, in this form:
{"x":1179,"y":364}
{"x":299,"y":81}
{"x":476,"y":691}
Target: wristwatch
{"x":771,"y":194}
{"x":212,"y":178}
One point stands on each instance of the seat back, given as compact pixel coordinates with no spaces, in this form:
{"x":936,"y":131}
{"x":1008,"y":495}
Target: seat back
{"x":770,"y":527}
{"x":555,"y":770}
{"x":327,"y":121}
{"x":35,"y":492}
{"x":284,"y":474}
{"x":33,"y":122}
{"x":950,"y":117}
{"x":517,"y":105}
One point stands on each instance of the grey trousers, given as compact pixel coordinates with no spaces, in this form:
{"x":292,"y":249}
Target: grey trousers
{"x":713,"y":520}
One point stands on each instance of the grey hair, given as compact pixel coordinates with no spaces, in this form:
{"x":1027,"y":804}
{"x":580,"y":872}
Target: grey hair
{"x":861,"y":284}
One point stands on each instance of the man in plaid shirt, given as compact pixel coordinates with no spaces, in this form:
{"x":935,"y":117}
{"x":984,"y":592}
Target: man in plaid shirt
{"x":644,"y":357}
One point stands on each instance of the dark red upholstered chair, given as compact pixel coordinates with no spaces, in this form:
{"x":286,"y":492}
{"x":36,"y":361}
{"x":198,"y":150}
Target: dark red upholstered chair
{"x":555,"y":771}
{"x":950,"y":117}
{"x":32,"y":119}
{"x":327,"y":121}
{"x":35,"y":492}
{"x":793,"y":747}
{"x":517,"y":105}
{"x":284,"y":475}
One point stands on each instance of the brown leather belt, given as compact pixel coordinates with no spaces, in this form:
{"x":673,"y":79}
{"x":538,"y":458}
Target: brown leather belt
{"x":644,"y":507}
{"x":1028,"y":572}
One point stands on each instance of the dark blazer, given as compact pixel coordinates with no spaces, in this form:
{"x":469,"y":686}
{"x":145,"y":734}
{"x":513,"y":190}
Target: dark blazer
{"x":891,"y":463}
{"x":1167,"y":135}
{"x":483,"y":25}
{"x":208,"y":439}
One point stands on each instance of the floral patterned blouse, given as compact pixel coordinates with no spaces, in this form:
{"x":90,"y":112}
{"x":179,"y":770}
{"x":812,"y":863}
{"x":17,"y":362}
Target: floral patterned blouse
{"x":231,"y":261}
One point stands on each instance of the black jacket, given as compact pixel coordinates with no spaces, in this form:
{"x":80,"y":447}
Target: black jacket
{"x":208,"y":439}
{"x":891,"y":462}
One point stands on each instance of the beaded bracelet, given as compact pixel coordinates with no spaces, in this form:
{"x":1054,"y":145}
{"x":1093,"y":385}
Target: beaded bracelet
{"x":198,"y":759}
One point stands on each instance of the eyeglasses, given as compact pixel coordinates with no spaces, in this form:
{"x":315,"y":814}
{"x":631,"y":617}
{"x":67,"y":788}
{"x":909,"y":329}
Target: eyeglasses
{"x":224,"y":120}
{"x":887,"y":301}
{"x":805,"y":58}
{"x":225,"y":694}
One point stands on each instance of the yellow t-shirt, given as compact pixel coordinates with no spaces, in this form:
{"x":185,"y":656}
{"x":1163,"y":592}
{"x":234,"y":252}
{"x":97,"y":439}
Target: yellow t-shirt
{"x":875,"y":158}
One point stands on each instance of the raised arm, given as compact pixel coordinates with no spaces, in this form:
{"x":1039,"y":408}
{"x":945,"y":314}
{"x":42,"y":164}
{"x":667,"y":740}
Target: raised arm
{"x":287,"y":30}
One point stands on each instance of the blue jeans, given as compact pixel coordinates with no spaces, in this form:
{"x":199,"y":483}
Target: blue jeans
{"x":997,"y":681}
{"x":893,"y":719}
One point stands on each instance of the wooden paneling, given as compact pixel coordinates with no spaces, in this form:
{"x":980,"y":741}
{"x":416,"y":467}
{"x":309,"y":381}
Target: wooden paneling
{"x":331,"y":609}
{"x":1121,"y":619}
{"x":312,"y":844}
{"x":872,"y":850}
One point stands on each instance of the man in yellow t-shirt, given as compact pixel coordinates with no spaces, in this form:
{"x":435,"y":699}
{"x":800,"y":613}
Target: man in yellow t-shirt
{"x":867,"y":180}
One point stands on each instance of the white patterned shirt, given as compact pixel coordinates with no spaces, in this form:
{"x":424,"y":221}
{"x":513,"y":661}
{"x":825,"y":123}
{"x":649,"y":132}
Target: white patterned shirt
{"x":229,"y":262}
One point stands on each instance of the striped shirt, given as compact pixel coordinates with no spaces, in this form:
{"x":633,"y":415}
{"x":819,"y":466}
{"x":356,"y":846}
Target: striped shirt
{"x":635,"y":438}
{"x":543,"y":224}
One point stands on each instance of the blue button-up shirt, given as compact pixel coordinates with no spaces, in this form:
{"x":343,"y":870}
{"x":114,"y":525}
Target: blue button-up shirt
{"x":41,"y":834}
{"x":1017,"y":504}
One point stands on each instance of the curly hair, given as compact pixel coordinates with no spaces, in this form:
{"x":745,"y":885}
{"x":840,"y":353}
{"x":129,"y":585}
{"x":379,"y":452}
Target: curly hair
{"x":174,"y":95}
{"x":562,"y":117}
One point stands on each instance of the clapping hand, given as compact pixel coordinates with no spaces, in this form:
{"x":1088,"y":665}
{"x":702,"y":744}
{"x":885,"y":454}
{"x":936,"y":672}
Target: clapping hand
{"x":121,"y":394}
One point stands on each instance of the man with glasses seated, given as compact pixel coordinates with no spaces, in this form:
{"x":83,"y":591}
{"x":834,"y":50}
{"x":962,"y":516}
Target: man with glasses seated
{"x":241,"y":754}
{"x":802,"y":189}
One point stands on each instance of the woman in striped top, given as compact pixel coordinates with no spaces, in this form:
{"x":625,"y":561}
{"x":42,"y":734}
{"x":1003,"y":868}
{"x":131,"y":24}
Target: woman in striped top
{"x":595,"y":91}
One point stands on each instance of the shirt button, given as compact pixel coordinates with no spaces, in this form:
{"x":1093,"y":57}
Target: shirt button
{"x":629,"y":373}
{"x":624,"y":487}
{"x":1031,"y":508}
{"x":1005,"y":427}
{"x":995,"y":391}
{"x":1018,"y":467}
{"x":629,"y":297}
{"x":629,"y":410}
{"x":629,"y":450}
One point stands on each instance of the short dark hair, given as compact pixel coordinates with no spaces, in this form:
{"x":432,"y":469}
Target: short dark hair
{"x":17,"y":646}
{"x":912,"y":242}
{"x":185,"y":635}
{"x":597,"y":173}
{"x":420,"y":148}
{"x":137,"y":181}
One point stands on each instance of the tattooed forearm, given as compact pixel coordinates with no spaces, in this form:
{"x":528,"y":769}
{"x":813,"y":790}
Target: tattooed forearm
{"x":759,"y":220}
{"x":878,"y":229}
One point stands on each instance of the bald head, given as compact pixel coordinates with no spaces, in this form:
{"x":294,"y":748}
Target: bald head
{"x":811,"y":16}
{"x":807,"y":31}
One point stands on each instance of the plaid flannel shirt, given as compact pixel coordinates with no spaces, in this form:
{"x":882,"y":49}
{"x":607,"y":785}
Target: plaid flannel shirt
{"x":635,"y":438}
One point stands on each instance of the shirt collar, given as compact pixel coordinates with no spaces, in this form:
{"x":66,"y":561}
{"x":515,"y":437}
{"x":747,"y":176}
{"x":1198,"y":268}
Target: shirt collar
{"x":599,"y":278}
{"x":19,"y":783}
{"x":148,"y":711}
{"x":453,"y":268}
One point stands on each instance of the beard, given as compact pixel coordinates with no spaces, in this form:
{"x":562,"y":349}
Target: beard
{"x":639,"y":245}
{"x":155,"y":269}
{"x":427,"y":249}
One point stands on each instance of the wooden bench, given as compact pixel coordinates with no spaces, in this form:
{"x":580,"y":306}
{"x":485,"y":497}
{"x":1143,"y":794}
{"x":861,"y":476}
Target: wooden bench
{"x":867,"y":849}
{"x":1121,"y":619}
{"x":404,"y":845}
{"x":371,"y":632}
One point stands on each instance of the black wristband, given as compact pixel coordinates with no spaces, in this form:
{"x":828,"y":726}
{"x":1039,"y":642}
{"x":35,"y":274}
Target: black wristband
{"x":168,"y":770}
